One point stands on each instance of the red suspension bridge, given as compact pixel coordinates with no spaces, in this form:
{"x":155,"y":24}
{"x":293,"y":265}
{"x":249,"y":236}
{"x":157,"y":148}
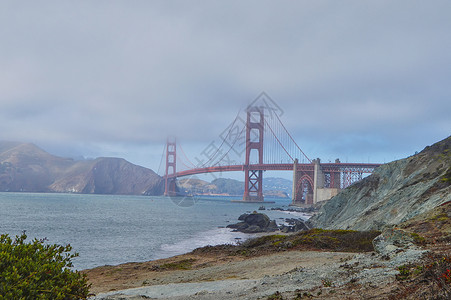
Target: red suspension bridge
{"x":267,"y":146}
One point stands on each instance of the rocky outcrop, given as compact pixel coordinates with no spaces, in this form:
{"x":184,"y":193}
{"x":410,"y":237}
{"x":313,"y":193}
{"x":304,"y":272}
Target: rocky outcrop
{"x":254,"y":223}
{"x":392,"y":241}
{"x":27,"y":168}
{"x":394,"y":193}
{"x":294,"y":225}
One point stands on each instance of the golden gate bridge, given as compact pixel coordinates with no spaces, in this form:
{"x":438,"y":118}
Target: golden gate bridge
{"x":267,"y":146}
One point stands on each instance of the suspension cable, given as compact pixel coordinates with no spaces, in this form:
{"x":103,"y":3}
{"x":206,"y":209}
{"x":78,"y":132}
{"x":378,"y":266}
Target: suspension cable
{"x":187,"y":159}
{"x":279,"y":141}
{"x":161,"y":160}
{"x":293,"y":139}
{"x":187,"y":167}
{"x":222,"y":143}
{"x":231,"y":147}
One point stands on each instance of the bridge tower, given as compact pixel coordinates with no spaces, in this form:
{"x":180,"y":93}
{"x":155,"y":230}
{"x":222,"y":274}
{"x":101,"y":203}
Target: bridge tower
{"x":171,"y":159}
{"x":253,"y":182}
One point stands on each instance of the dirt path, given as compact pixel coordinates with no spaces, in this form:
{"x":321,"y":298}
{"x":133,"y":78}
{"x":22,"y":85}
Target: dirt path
{"x":205,"y":268}
{"x":330,"y":275}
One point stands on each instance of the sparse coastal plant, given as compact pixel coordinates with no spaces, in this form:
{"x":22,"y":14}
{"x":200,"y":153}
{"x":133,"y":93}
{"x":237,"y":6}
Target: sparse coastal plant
{"x":184,"y":264}
{"x":439,"y":274}
{"x":431,"y":280}
{"x":327,"y":283}
{"x":276,"y":296}
{"x":404,"y":272}
{"x":35,"y":270}
{"x":418,"y":239}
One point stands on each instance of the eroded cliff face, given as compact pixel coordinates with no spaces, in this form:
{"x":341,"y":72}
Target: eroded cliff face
{"x":109,"y":176}
{"x":394,"y":193}
{"x":27,"y":168}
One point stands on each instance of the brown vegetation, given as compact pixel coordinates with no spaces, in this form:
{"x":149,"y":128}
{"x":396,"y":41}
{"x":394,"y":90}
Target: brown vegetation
{"x":313,"y":239}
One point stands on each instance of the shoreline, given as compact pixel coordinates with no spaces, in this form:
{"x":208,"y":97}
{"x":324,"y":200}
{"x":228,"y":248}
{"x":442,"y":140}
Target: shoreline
{"x":217,"y":235}
{"x":220,"y":235}
{"x":278,"y":266}
{"x":216,"y":273}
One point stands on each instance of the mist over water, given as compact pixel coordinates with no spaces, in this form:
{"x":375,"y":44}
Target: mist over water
{"x":111,"y":229}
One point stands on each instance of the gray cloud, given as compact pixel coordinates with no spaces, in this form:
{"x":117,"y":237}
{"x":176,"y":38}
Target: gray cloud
{"x":354,"y":78}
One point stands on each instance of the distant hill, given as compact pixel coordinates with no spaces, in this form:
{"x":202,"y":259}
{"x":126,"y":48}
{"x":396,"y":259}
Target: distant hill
{"x":219,"y":186}
{"x":394,"y":193}
{"x":196,"y":186}
{"x":25,"y":167}
{"x":275,"y":186}
{"x":229,"y":186}
{"x":272,"y":187}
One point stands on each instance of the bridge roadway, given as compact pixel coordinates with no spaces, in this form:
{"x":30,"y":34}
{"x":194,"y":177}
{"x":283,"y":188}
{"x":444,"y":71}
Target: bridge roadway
{"x":326,"y":167}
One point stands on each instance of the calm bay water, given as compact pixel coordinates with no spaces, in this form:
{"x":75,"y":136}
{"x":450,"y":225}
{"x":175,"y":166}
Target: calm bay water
{"x":109,"y":230}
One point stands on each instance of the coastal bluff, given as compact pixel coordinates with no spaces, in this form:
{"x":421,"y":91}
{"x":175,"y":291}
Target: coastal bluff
{"x":24,"y":167}
{"x":394,"y":193}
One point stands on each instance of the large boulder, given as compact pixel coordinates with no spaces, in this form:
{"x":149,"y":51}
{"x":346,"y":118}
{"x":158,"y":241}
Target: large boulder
{"x":254,"y":223}
{"x":294,"y":225}
{"x":258,"y":219}
{"x":272,"y":226}
{"x":242,"y":217}
{"x":240,"y":226}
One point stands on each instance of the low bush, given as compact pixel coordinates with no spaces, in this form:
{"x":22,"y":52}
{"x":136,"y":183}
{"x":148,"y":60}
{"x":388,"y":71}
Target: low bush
{"x":264,"y":240}
{"x":36,"y":270}
{"x":337,"y":240}
{"x":313,"y":239}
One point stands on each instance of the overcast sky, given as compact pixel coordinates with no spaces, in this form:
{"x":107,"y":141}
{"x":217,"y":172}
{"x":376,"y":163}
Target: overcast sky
{"x":359,"y":80}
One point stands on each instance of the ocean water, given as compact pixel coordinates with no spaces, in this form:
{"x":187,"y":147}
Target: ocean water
{"x":111,"y":229}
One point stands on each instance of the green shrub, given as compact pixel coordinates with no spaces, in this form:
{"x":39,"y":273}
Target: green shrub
{"x":336,"y":240}
{"x":418,"y":239}
{"x":404,"y":272}
{"x":38,"y":271}
{"x":263,"y":240}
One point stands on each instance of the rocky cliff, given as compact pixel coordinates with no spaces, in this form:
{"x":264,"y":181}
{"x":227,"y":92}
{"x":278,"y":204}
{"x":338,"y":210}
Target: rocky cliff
{"x":394,"y":193}
{"x":109,"y":176}
{"x":27,"y":168}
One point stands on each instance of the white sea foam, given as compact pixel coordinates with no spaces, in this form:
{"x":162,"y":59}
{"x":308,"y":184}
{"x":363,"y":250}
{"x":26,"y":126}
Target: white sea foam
{"x":298,"y":214}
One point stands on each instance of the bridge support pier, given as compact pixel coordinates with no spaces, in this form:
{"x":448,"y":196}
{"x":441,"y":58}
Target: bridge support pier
{"x":312,"y":184}
{"x":303,"y":192}
{"x":327,"y":184}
